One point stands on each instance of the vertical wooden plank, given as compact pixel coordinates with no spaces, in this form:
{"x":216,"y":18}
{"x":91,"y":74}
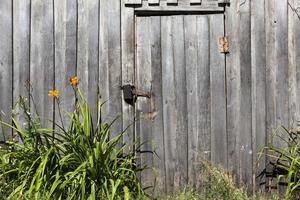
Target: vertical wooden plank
{"x":156,"y":112}
{"x":281,"y":46}
{"x":168,"y":95}
{"x":282,"y":81}
{"x":233,"y":86}
{"x":198,"y":95}
{"x":218,"y":95}
{"x":143,"y":83}
{"x":180,"y":109}
{"x":203,"y":73}
{"x":292,"y":69}
{"x":191,"y":61}
{"x":271,"y":71}
{"x":6,"y":65}
{"x":297,"y":57}
{"x":258,"y":48}
{"x":246,"y":164}
{"x":42,"y":58}
{"x":65,"y":55}
{"x":149,"y":112}
{"x":128,"y":61}
{"x":110,"y":62}
{"x":21,"y":50}
{"x":87,"y":52}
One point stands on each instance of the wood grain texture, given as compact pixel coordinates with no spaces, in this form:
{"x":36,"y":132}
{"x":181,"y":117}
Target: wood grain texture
{"x":218,"y":95}
{"x":65,"y":56}
{"x":128,"y":62}
{"x":191,"y":60}
{"x":258,"y":46}
{"x":87,"y":52}
{"x":198,"y":95}
{"x":21,"y":46}
{"x":168,"y":96}
{"x":245,"y":147}
{"x":42,"y":58}
{"x":180,"y":108}
{"x":6,"y":65}
{"x":144,"y":83}
{"x":233,"y":76}
{"x":157,"y":105}
{"x":110,"y":62}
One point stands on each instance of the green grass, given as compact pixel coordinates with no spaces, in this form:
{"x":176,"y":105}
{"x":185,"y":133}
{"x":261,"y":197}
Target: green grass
{"x":81,"y":161}
{"x":216,"y":184}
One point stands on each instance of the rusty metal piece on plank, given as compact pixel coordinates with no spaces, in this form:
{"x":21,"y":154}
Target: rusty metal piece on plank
{"x":223,"y":45}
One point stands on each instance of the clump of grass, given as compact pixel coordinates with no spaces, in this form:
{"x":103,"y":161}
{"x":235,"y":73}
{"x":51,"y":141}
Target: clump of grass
{"x":81,"y":161}
{"x":216,"y":184}
{"x":285,"y":161}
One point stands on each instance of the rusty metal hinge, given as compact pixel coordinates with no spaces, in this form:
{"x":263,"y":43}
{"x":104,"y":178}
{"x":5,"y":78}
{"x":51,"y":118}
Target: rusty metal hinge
{"x":223,"y":45}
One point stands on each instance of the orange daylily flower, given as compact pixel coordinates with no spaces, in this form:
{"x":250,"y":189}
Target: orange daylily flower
{"x":74,"y":80}
{"x":53,"y":93}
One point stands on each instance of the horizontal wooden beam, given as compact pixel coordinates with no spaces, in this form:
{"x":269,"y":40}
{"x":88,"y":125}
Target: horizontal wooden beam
{"x":133,"y":2}
{"x":146,"y":8}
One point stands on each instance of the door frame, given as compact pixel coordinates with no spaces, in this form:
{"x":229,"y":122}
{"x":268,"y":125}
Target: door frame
{"x":129,"y":13}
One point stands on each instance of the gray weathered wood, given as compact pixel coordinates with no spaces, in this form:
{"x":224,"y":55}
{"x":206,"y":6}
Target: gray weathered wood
{"x":198,"y":95}
{"x":21,"y":45}
{"x":180,"y":111}
{"x":128,"y":61}
{"x":65,"y":56}
{"x":110,"y":62}
{"x":297,"y":60}
{"x":168,"y":95}
{"x":271,"y":71}
{"x":233,"y":87}
{"x":87,"y":50}
{"x":150,"y":111}
{"x":258,"y":45}
{"x":157,"y":105}
{"x":6,"y":65}
{"x":245,"y":146}
{"x":218,"y":95}
{"x":42,"y":58}
{"x":191,"y":60}
{"x":143,"y":83}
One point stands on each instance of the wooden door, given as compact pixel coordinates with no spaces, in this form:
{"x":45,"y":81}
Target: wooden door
{"x":179,"y":63}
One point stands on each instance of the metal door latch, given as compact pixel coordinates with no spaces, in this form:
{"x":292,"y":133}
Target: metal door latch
{"x":131,"y":94}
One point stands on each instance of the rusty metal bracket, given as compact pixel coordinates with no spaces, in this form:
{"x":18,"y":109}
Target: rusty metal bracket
{"x":223,"y":45}
{"x":130,"y":94}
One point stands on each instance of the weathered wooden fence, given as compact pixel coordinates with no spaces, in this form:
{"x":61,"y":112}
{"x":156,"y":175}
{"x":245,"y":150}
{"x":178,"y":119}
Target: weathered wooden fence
{"x":203,"y":102}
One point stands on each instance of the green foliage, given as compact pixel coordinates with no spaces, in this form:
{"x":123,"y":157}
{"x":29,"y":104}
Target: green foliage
{"x":81,"y":161}
{"x":285,"y":159}
{"x":215,"y":184}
